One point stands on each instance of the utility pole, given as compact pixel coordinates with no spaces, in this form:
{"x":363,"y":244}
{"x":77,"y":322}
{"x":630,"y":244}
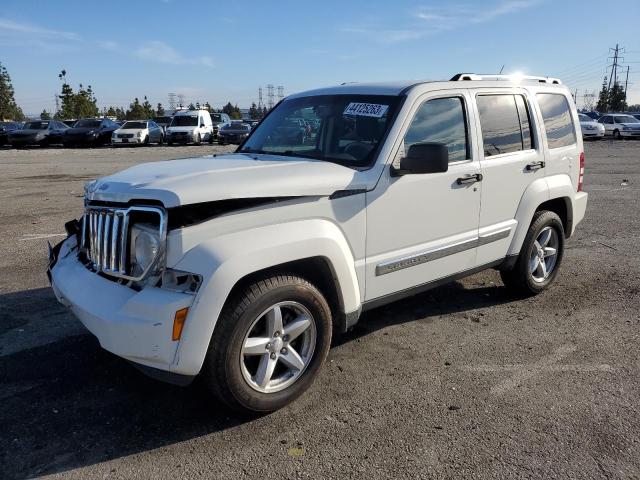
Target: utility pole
{"x":172,"y":101}
{"x":626,"y":84}
{"x":181,"y":100}
{"x":260,"y":104}
{"x":280,"y":92}
{"x":57,"y":99}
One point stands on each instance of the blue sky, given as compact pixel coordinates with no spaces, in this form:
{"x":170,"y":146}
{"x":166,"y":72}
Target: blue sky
{"x":223,"y":51}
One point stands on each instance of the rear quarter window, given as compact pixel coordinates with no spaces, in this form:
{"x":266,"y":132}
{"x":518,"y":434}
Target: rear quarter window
{"x":558,"y":123}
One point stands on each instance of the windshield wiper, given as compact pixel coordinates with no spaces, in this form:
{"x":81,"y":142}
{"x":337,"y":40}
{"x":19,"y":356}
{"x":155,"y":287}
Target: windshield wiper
{"x":252,"y":150}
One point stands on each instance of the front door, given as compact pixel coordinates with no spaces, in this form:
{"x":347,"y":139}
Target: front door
{"x":423,"y":227}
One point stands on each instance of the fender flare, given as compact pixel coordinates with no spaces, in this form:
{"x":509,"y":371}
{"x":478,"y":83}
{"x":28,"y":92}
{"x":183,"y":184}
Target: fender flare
{"x":538,"y":192}
{"x":223,"y":261}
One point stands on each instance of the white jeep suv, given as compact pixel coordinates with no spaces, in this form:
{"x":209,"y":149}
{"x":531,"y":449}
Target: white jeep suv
{"x":239,"y":267}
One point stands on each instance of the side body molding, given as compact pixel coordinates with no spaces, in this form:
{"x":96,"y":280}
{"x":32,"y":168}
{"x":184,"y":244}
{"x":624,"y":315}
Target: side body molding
{"x":538,"y":192}
{"x":226,"y":259}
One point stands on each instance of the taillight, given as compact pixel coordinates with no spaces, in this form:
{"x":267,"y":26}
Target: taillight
{"x":581,"y":174}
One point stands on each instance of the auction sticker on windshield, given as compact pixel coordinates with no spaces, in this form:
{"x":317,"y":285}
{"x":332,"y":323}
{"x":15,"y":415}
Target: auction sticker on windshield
{"x":366,"y":109}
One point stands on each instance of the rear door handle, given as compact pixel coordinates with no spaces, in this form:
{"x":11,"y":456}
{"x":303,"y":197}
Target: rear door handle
{"x":477,"y":177}
{"x":535,"y":166}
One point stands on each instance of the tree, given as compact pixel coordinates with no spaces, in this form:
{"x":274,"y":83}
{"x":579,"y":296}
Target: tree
{"x":159,"y":110}
{"x":82,"y":104}
{"x":603,"y":98}
{"x":111,"y":112}
{"x":149,"y":112}
{"x":617,"y":101}
{"x":9,"y":109}
{"x":634,"y":108}
{"x":136,"y":111}
{"x":254,"y":112}
{"x":45,"y":115}
{"x":233,"y":111}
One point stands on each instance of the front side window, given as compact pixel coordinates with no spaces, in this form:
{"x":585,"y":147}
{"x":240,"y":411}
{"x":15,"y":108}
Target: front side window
{"x":626,"y":119}
{"x":441,"y":120}
{"x":88,"y":124}
{"x":344,"y":129}
{"x":557,"y":119}
{"x":500,"y":123}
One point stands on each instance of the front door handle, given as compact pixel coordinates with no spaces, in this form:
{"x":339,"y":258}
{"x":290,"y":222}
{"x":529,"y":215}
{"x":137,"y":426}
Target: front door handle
{"x":535,"y":166}
{"x":477,"y":177}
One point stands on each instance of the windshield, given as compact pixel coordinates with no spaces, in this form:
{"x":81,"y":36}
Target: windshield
{"x":626,"y":119}
{"x":236,"y":126}
{"x":36,"y":125}
{"x":345,"y":129}
{"x":162,"y":120}
{"x":134,"y":125}
{"x":216,"y":117}
{"x":184,"y":121}
{"x":87,"y":124}
{"x":584,"y":118}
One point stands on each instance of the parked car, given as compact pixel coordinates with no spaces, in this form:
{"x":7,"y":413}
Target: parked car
{"x":620,"y":125}
{"x":219,"y":120}
{"x":163,"y":122}
{"x":190,"y":126}
{"x":5,"y":128}
{"x":90,"y":132}
{"x":234,"y":133}
{"x":635,"y":115}
{"x":138,"y":132}
{"x":242,"y":268}
{"x":593,"y":115}
{"x":38,"y":132}
{"x":590,"y":128}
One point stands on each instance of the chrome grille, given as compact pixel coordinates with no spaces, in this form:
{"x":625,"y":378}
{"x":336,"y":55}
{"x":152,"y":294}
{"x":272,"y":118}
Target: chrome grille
{"x":105,"y":238}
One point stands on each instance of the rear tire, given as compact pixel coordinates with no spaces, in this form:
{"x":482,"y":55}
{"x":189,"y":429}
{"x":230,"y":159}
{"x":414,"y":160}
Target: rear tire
{"x":264,"y":380}
{"x":545,"y":236}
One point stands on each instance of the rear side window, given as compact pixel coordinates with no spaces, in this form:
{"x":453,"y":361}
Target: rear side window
{"x":505,"y":123}
{"x":557,"y":120}
{"x":441,"y":120}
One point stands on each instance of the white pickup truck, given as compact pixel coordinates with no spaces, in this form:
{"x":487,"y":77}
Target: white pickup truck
{"x":239,"y":267}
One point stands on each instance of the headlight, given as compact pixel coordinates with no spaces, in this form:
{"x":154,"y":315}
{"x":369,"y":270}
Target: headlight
{"x":145,"y":246}
{"x":626,"y":128}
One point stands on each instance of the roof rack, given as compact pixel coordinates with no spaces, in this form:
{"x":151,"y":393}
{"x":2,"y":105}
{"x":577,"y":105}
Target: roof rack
{"x":473,"y":76}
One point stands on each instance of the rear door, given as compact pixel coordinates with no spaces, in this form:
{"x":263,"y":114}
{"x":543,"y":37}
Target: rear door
{"x":511,"y":158}
{"x":559,"y":127}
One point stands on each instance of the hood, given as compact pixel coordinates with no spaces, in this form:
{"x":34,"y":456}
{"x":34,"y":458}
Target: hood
{"x":207,"y":179}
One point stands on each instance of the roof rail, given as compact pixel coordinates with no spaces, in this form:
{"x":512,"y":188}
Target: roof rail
{"x":473,"y":76}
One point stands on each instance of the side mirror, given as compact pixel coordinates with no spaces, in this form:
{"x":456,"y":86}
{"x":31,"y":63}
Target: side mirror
{"x":423,"y":158}
{"x":202,"y":125}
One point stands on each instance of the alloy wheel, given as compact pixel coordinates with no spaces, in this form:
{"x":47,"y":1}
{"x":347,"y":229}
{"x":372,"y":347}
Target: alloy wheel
{"x":278,"y":347}
{"x":544,"y":254}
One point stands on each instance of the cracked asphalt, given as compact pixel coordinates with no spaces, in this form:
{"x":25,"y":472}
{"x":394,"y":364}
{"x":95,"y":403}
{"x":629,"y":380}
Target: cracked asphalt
{"x":464,"y":381}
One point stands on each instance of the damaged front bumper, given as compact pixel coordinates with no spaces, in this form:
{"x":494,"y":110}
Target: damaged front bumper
{"x":134,"y":324}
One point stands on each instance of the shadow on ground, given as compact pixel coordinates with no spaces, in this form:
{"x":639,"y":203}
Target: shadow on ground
{"x":69,"y":404}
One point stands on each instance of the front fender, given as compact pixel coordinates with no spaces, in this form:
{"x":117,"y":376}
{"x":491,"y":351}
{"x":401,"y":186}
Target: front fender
{"x":224,"y":260}
{"x":538,"y":192}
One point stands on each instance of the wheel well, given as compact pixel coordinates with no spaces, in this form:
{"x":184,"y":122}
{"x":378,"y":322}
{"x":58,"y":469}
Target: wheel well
{"x":317,"y":270}
{"x":562,"y":208}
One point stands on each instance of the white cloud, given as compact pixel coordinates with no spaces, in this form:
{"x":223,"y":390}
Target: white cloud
{"x":158,"y":51}
{"x":432,"y":20}
{"x":109,"y":45}
{"x":14,"y":33}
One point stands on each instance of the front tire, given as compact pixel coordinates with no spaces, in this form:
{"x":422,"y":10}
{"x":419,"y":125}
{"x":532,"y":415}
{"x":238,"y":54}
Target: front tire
{"x":540,"y":256}
{"x":198,"y":139}
{"x":617,"y":135}
{"x":269,"y":344}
